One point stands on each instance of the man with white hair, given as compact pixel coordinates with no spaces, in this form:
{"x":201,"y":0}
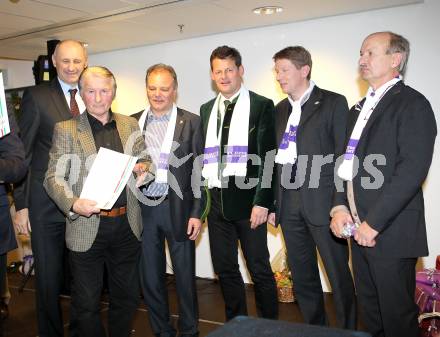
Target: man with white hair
{"x":98,"y":238}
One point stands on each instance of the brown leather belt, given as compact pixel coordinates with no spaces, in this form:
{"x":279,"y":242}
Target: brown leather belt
{"x":114,"y":212}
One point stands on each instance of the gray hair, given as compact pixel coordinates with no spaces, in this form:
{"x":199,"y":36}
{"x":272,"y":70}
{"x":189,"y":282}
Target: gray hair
{"x":162,"y":67}
{"x":398,"y":44}
{"x":99,"y":71}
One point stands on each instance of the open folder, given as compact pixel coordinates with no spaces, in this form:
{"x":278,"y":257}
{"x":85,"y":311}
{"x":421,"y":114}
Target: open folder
{"x":107,"y":177}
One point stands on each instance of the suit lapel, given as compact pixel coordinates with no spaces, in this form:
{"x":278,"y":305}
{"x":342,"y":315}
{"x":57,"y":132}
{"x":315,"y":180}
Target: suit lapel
{"x":283,"y":118}
{"x":124,"y":132}
{"x":59,"y":100}
{"x":311,"y":106}
{"x":180,"y":123}
{"x":353,"y":116}
{"x":382,"y":106}
{"x":206,"y":114}
{"x":85,"y":135}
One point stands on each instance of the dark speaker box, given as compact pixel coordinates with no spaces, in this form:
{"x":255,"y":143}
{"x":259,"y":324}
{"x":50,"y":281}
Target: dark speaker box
{"x":51,"y":44}
{"x":257,"y":327}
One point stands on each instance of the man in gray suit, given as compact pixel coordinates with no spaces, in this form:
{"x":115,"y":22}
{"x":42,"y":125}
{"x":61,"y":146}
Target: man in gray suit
{"x":95,"y":237}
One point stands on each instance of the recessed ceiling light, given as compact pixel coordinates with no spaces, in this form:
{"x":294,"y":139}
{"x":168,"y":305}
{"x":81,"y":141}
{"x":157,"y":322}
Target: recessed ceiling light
{"x":85,"y":44}
{"x":267,"y":10}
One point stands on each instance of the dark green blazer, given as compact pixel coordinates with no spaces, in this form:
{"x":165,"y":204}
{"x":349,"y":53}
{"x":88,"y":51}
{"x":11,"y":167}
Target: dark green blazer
{"x":237,"y":202}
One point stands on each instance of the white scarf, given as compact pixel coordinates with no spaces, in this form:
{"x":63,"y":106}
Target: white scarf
{"x":237,"y":148}
{"x":372,"y":99}
{"x":162,"y":160}
{"x":287,"y":151}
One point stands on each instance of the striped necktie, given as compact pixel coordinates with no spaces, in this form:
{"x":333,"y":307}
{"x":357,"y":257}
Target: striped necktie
{"x":73,"y":105}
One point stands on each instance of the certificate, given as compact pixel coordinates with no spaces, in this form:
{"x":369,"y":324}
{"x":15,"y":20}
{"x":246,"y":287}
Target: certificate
{"x":4,"y":120}
{"x":107,"y":177}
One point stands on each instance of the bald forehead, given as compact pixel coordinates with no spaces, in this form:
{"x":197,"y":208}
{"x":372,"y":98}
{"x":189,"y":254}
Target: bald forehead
{"x":70,"y":44}
{"x":382,"y":37}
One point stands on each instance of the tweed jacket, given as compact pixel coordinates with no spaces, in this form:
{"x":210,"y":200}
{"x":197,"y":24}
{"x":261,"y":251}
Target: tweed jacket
{"x":72,"y":153}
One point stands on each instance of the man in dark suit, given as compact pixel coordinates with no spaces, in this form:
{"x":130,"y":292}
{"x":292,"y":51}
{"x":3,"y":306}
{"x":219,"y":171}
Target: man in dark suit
{"x":171,"y":209}
{"x":239,"y":129}
{"x":310,"y":126}
{"x":12,"y":169}
{"x":393,"y":126}
{"x":41,"y":107}
{"x":98,"y":238}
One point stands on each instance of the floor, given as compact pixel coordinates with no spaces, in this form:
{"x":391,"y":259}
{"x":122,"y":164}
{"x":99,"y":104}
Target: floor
{"x":22,"y":321}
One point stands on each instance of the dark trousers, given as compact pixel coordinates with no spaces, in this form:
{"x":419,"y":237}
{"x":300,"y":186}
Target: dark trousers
{"x":116,"y":248}
{"x":158,"y":228}
{"x":301,"y":239}
{"x":48,"y":247}
{"x":3,"y":271}
{"x":223,"y":238}
{"x":3,"y":275}
{"x":385,"y":288}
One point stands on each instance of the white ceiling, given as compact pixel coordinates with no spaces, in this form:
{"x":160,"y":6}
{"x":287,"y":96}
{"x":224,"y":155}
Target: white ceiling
{"x":107,"y":25}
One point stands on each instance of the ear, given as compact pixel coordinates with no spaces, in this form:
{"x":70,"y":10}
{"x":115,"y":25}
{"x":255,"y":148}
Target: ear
{"x":53,"y":61}
{"x":241,"y":70}
{"x":396,"y":59}
{"x":305,"y":70}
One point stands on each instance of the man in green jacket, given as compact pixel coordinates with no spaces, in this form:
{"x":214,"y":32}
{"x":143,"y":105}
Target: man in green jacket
{"x":239,"y":129}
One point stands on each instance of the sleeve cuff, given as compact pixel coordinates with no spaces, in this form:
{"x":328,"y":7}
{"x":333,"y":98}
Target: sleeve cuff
{"x":339,"y":208}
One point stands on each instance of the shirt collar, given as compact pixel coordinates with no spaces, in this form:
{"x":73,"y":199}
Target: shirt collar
{"x":95,"y":122}
{"x":152,"y":117}
{"x":305,"y":96}
{"x":383,"y":88}
{"x":230,"y":99}
{"x":66,"y":87}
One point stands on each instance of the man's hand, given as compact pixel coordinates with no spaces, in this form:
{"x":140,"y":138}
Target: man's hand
{"x":194,"y":227}
{"x":365,"y":235}
{"x":140,"y":168}
{"x":339,"y":219}
{"x":143,"y":173}
{"x":21,"y":221}
{"x":271,"y":219}
{"x":85,"y":207}
{"x":258,"y":216}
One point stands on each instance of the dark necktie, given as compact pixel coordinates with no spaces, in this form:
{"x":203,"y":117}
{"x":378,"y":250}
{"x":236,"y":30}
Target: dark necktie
{"x":73,"y":105}
{"x":219,"y":115}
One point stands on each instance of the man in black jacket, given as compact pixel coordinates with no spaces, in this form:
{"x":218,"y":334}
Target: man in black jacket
{"x":310,"y":127}
{"x":41,"y":107}
{"x":171,"y":209}
{"x":393,"y":128}
{"x":12,"y":169}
